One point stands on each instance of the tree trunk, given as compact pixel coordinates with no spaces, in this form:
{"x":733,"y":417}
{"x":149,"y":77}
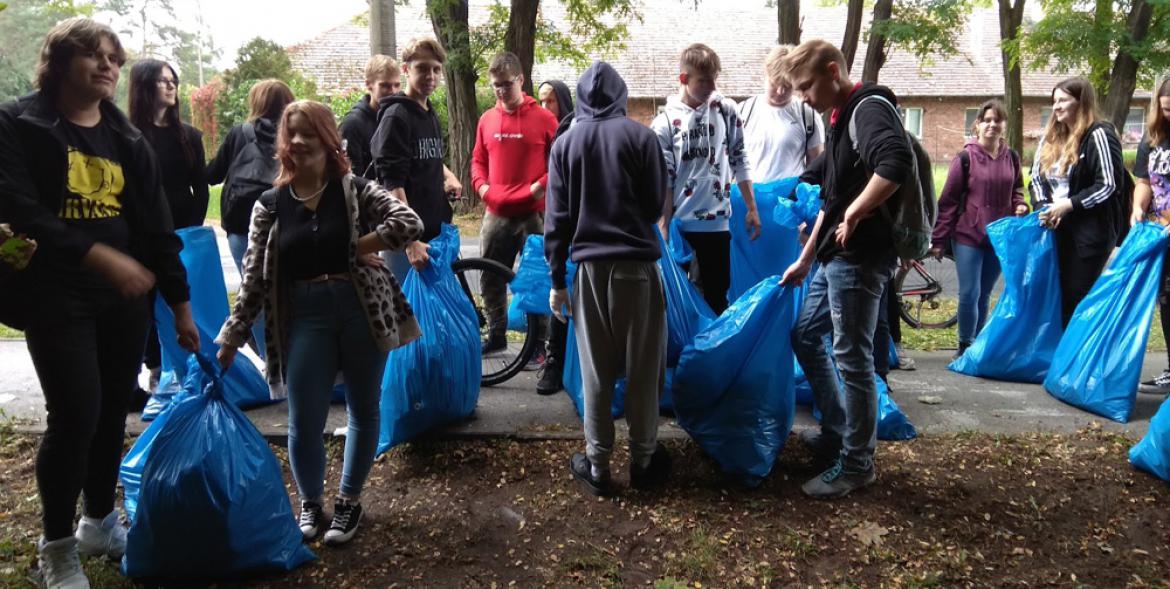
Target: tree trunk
{"x":449,"y":19}
{"x":875,"y":53}
{"x":1010,"y":18}
{"x":521,"y":36}
{"x":853,"y":17}
{"x":788,"y":18}
{"x":382,"y":28}
{"x":1124,"y":75}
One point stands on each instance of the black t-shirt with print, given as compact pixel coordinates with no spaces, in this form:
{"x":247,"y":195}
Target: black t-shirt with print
{"x":94,"y":186}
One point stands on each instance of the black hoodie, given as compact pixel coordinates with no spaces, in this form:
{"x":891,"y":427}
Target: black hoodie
{"x":564,"y":104}
{"x":407,"y":148}
{"x":235,"y":211}
{"x":357,"y":128}
{"x":606,"y":181}
{"x":843,"y":171}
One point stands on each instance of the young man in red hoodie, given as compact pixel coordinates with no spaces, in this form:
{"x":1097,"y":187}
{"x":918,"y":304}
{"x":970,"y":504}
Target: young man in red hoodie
{"x":509,"y":171}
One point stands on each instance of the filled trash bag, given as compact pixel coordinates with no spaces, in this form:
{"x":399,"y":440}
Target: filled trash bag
{"x":893,"y":425}
{"x":518,"y":319}
{"x":680,"y":248}
{"x":1098,"y":363}
{"x":434,"y":379}
{"x":532,"y":283}
{"x":243,"y":384}
{"x":687,"y":313}
{"x":733,"y":390}
{"x":1020,"y":337}
{"x":776,"y":247}
{"x":212,"y":501}
{"x":1152,"y":454}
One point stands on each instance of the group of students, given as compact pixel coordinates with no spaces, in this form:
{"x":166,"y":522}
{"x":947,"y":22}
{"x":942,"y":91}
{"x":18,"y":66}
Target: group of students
{"x":324,"y":246}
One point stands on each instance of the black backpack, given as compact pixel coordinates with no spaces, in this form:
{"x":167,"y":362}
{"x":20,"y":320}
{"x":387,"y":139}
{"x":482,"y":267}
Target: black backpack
{"x":252,"y":172}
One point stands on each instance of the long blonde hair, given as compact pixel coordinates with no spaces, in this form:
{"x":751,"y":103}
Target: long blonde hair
{"x":1155,"y":123}
{"x":1061,"y":141}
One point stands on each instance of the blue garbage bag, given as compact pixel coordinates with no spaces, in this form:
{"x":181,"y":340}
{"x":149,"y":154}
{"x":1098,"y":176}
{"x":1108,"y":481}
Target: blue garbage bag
{"x":433,"y":380}
{"x":1152,"y":453}
{"x":893,"y":425}
{"x":517,"y":318}
{"x":1020,"y":337}
{"x":733,"y":390}
{"x":1098,"y":363}
{"x":775,"y":249}
{"x":680,"y":248}
{"x":532,"y":283}
{"x":212,"y":501}
{"x":808,"y":202}
{"x":687,"y":313}
{"x":804,"y":394}
{"x":243,"y":384}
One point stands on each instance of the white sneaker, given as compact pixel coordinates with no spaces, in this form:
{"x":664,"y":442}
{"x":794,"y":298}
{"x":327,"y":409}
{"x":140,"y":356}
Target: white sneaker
{"x":60,"y":564}
{"x":105,"y":538}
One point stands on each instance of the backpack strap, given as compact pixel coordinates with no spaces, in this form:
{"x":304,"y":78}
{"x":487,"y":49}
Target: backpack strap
{"x":751,"y":104}
{"x":810,"y":127}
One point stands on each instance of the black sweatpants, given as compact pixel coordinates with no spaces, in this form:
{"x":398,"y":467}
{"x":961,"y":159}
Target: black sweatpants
{"x":1078,"y":271}
{"x":713,"y":255}
{"x":86,"y":346}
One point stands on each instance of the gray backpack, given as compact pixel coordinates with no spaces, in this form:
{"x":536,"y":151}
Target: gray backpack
{"x":913,"y":221}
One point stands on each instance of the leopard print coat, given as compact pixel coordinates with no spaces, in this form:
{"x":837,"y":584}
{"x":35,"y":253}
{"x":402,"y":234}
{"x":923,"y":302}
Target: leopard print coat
{"x":392,"y":321}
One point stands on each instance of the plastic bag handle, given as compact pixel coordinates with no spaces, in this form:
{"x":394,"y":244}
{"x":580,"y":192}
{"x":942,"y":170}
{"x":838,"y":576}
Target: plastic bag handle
{"x":211,"y":367}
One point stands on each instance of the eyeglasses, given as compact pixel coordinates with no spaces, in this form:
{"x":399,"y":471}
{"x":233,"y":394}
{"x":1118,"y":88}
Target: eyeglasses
{"x":504,"y":85}
{"x":165,"y":83}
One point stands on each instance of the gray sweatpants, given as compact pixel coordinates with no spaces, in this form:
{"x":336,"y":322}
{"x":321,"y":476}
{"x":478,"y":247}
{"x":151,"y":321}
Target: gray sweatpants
{"x":619,"y":317}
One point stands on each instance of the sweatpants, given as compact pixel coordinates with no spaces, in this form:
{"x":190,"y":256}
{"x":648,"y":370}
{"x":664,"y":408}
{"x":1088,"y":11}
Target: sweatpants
{"x":86,"y":347}
{"x":619,"y":318}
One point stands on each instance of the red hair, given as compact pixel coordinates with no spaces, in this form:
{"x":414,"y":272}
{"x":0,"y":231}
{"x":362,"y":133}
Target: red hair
{"x":320,"y":118}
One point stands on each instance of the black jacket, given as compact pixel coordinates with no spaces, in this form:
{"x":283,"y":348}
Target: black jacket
{"x":606,"y":181}
{"x":220,"y":168}
{"x":183,"y":179}
{"x":357,"y":128}
{"x":33,"y":168}
{"x":407,"y":148}
{"x":564,"y":103}
{"x":1095,"y":184}
{"x":843,"y":171}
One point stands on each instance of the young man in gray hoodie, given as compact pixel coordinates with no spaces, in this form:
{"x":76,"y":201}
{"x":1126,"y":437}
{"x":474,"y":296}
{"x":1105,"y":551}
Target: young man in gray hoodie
{"x":605,"y":191}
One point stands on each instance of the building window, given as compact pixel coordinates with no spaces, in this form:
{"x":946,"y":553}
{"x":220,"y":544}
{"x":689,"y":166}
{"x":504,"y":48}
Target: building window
{"x":1045,"y":114}
{"x":1135,"y":124}
{"x":912,"y":120}
{"x":969,"y":121}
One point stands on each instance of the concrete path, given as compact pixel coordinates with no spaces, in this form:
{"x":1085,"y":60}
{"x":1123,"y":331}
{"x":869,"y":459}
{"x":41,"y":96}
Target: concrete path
{"x":515,"y":410}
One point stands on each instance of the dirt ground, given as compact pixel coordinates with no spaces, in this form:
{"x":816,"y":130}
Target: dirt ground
{"x":967,"y":510}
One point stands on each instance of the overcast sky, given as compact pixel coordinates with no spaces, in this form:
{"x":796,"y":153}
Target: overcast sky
{"x":233,"y":22}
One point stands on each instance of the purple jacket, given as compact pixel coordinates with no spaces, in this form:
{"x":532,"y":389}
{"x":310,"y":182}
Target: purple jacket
{"x":994,"y":189}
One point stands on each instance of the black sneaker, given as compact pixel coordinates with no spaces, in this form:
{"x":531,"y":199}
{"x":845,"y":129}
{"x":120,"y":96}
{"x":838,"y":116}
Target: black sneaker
{"x":1159,"y":385}
{"x":549,"y":382}
{"x":837,"y":482}
{"x":582,"y":470}
{"x":312,"y":519}
{"x":653,"y":475}
{"x":962,"y":350}
{"x":346,"y":516}
{"x":494,"y":344}
{"x":824,"y":450}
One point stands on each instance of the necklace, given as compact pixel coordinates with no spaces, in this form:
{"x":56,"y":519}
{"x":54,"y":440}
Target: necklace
{"x":308,"y":198}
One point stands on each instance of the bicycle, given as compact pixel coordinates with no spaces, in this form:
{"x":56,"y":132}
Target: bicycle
{"x":496,"y":367}
{"x":928,"y":293}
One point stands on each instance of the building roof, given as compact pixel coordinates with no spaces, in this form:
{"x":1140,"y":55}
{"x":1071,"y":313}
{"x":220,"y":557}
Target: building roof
{"x":740,"y":31}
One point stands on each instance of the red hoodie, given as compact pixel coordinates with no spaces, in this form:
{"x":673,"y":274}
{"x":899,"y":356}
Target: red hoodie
{"x":511,"y":152}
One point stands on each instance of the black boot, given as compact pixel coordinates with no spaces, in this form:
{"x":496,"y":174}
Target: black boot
{"x":549,"y":382}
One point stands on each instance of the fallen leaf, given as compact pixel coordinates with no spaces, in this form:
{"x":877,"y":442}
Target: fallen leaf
{"x":869,"y":533}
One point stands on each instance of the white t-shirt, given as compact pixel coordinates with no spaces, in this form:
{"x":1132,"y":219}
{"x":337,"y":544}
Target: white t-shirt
{"x":775,"y":137}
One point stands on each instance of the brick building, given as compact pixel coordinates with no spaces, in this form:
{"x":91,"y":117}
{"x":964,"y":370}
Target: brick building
{"x":938,"y":97}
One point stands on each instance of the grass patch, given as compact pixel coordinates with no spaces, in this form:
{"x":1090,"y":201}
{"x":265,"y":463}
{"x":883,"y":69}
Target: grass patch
{"x":469,"y":222}
{"x":213,"y":213}
{"x":9,"y":333}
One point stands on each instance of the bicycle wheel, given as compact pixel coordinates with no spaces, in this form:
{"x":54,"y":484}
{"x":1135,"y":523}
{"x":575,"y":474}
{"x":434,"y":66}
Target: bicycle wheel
{"x":504,"y":364}
{"x":928,"y":293}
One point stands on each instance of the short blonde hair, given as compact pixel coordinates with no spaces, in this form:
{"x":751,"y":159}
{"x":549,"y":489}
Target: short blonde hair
{"x":267,"y":98}
{"x":700,"y":59}
{"x":70,"y":37}
{"x":380,"y":65}
{"x":421,"y":47}
{"x":813,"y":56}
{"x":774,"y":65}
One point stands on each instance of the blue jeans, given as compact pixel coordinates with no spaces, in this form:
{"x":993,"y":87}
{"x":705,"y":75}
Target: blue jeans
{"x":238,"y":246}
{"x":978,"y":270}
{"x":844,"y":299}
{"x":328,"y":330}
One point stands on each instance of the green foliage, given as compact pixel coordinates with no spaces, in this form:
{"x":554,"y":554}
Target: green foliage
{"x":1085,"y":36}
{"x":23,"y":28}
{"x":341,"y":103}
{"x":925,"y":28}
{"x":259,"y":59}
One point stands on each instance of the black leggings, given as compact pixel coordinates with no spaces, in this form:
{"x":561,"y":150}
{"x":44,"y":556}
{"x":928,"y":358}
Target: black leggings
{"x":1078,"y":271}
{"x":86,"y":347}
{"x":713,"y":254}
{"x":1164,"y":301}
